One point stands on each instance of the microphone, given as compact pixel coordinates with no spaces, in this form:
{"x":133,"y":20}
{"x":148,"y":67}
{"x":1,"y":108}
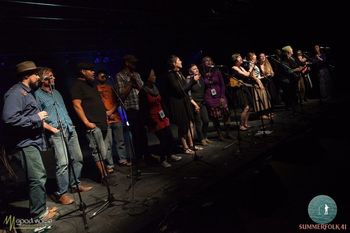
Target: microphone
{"x":245,"y":61}
{"x":47,"y":78}
{"x":219,"y":66}
{"x":325,"y":47}
{"x":273,"y":55}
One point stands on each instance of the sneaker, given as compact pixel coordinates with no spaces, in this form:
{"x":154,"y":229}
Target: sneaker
{"x":204,"y":142}
{"x":165,"y":164}
{"x":110,"y":170}
{"x":175,"y":157}
{"x":156,"y":157}
{"x":208,"y":141}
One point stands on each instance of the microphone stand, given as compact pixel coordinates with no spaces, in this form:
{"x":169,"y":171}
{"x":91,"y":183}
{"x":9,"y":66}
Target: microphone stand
{"x":261,"y":104}
{"x":133,"y":205}
{"x":187,"y":110}
{"x":239,"y":138}
{"x":110,"y":198}
{"x":82,"y":206}
{"x":291,"y":83}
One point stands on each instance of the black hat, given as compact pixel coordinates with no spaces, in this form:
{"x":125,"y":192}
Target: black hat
{"x":86,"y":66}
{"x":130,"y":58}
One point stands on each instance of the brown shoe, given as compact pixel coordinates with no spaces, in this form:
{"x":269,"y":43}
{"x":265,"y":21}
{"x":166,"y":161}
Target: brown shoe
{"x":82,"y":188}
{"x":65,"y":200}
{"x":50,"y":215}
{"x":53,"y":209}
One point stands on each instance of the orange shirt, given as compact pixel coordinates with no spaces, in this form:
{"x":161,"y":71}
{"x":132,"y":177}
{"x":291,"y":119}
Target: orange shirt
{"x":109,"y":101}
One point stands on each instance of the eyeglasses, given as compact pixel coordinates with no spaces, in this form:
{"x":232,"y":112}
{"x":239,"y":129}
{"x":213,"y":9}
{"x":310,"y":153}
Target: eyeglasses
{"x":48,"y":78}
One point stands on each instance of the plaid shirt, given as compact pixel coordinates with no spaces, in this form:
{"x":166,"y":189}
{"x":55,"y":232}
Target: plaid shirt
{"x":132,"y":100}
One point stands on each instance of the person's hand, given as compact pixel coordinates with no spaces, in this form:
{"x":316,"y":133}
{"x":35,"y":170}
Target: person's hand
{"x":90,"y":125}
{"x":55,"y":130}
{"x":197,"y":108}
{"x":43,"y":115}
{"x":196,"y":77}
{"x":319,"y":57}
{"x":133,"y":81}
{"x":222,"y":101}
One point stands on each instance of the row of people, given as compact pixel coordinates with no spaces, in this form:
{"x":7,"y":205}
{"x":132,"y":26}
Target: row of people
{"x":192,"y":102}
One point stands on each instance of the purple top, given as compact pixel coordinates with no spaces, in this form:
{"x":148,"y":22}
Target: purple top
{"x":214,"y":89}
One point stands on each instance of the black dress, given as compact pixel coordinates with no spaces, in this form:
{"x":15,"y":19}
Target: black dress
{"x":242,"y":94}
{"x":180,"y":109}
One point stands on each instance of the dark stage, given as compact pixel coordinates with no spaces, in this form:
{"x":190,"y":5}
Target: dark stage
{"x":265,"y":188}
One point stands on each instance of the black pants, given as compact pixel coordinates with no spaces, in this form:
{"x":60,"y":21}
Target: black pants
{"x":139,"y":133}
{"x":166,"y":142}
{"x":201,"y":121}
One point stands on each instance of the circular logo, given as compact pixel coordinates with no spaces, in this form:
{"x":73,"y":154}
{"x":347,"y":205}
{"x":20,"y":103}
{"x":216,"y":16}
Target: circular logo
{"x":322,"y":209}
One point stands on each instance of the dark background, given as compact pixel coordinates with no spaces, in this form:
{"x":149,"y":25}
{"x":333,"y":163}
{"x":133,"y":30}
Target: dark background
{"x":55,"y":31}
{"x":59,"y":34}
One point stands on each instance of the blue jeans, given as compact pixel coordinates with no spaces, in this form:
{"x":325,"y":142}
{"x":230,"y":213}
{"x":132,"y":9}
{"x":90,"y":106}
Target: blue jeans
{"x":97,"y":144}
{"x":118,"y":142}
{"x":108,"y":143}
{"x":30,"y":159}
{"x":61,"y":156}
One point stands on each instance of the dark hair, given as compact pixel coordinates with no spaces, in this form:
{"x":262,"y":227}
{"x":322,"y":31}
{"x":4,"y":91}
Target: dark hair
{"x":101,"y":71}
{"x":190,"y":66}
{"x":172,"y":58}
{"x":235,"y":57}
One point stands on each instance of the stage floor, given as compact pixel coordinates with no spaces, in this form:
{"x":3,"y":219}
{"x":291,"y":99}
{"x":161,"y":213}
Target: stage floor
{"x":262,"y":184}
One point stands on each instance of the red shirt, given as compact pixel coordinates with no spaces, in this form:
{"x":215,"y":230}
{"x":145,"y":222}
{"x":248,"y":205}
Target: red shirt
{"x":156,"y":113}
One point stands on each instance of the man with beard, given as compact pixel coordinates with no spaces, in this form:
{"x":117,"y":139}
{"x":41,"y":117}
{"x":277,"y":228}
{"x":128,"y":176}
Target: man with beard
{"x":90,"y":110}
{"x":24,"y":125}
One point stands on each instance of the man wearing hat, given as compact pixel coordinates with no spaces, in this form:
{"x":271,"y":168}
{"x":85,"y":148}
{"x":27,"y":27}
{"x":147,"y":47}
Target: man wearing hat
{"x":90,"y":110}
{"x":24,"y":124}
